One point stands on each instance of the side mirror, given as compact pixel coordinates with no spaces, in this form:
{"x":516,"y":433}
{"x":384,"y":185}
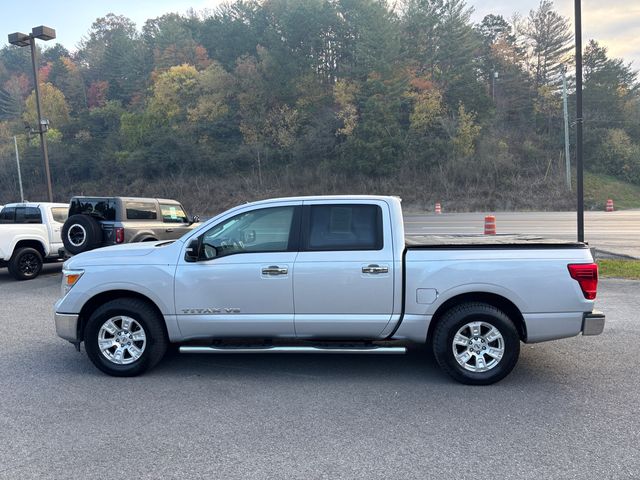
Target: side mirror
{"x":192,"y":252}
{"x":194,"y":219}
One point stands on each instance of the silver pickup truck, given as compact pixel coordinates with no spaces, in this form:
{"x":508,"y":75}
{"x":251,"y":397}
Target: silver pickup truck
{"x":331,"y":274}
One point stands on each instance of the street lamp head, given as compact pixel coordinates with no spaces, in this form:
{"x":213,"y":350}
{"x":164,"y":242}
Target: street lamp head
{"x":19,"y":39}
{"x":43,"y":33}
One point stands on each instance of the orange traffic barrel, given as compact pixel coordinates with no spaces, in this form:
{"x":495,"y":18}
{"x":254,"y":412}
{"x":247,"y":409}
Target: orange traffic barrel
{"x":609,"y":205}
{"x":489,"y":225}
{"x":438,"y":208}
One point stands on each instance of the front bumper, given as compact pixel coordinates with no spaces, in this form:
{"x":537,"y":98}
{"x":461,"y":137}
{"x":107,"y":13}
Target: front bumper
{"x":67,"y":326}
{"x":593,"y":323}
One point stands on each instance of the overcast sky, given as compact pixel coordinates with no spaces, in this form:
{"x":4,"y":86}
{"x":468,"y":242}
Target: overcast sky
{"x":615,"y":23}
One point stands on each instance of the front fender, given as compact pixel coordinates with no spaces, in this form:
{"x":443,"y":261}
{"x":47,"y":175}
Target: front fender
{"x":152,"y":281}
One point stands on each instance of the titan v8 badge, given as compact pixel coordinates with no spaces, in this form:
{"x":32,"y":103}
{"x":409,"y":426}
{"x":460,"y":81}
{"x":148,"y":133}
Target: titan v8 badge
{"x":209,"y":311}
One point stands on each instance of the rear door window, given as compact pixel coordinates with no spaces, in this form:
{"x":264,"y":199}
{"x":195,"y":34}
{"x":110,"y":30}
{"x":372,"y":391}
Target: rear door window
{"x":172,"y":213}
{"x":28,"y":215}
{"x":59,"y":214}
{"x":343,"y":227}
{"x":141,"y":211}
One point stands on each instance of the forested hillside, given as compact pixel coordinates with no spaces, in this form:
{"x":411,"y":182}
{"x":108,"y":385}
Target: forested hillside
{"x":281,"y":97}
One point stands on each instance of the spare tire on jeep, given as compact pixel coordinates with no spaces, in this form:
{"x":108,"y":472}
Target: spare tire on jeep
{"x":81,"y":233}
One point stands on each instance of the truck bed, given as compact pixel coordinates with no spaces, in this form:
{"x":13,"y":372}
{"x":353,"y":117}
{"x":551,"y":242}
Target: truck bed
{"x":439,"y":242}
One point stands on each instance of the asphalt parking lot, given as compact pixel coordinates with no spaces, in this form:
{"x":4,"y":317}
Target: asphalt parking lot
{"x":568,"y":410}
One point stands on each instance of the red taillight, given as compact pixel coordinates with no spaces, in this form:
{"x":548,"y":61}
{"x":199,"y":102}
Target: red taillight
{"x":119,"y":235}
{"x":587,"y":276}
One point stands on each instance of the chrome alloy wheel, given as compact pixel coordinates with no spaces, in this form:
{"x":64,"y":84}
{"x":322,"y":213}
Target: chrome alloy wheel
{"x":76,"y":235}
{"x":122,"y":340}
{"x":478,"y":347}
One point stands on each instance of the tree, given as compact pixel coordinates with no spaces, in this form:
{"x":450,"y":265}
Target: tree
{"x":494,"y":29}
{"x":440,"y":41}
{"x":344,"y":93}
{"x":233,"y":31}
{"x":550,"y":43}
{"x":51,"y":54}
{"x":368,"y":39}
{"x":466,"y":134}
{"x":618,"y":155}
{"x":502,"y":69}
{"x":113,"y":53}
{"x":611,"y":114}
{"x":97,"y":94}
{"x":170,"y":41}
{"x":213,"y":91}
{"x":12,"y":96}
{"x":377,"y":144}
{"x":608,"y":85}
{"x":54,"y":107}
{"x":66,"y":76}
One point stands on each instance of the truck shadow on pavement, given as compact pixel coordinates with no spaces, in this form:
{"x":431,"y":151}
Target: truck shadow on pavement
{"x":418,"y":364}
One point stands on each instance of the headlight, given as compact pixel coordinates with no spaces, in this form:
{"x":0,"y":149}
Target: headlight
{"x":69,"y":279}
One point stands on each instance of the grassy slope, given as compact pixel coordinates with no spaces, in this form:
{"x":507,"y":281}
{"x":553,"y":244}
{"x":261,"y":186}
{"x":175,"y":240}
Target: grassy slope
{"x":619,"y":268}
{"x":599,"y":188}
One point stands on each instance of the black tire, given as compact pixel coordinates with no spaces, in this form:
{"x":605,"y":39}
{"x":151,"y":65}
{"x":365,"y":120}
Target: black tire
{"x":25,"y":263}
{"x":81,"y":233}
{"x":147,"y":318}
{"x":462,"y":315}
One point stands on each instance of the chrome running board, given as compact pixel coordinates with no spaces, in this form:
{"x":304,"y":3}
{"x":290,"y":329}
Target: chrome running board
{"x":301,"y":349}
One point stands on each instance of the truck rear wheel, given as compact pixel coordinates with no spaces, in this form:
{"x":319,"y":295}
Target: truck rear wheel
{"x":476,"y":344}
{"x":25,"y":263}
{"x":125,"y":337}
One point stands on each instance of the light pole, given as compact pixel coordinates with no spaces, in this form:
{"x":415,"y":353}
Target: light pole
{"x":22,"y":40}
{"x":579,"y":121}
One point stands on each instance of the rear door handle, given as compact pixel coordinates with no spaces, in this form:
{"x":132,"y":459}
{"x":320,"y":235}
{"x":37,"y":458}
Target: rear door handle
{"x":375,"y":269}
{"x":275,"y":270}
{"x":169,"y":230}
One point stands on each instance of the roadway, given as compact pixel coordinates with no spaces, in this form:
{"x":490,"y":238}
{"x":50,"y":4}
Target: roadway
{"x":614,"y":232}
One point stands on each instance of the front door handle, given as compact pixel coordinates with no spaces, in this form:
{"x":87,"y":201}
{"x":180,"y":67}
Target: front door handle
{"x":169,"y":230}
{"x":275,"y":270}
{"x":375,"y":269}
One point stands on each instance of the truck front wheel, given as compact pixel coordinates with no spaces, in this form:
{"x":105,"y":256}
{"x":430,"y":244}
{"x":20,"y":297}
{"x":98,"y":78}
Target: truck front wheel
{"x":476,"y":344}
{"x":125,"y":337}
{"x":25,"y":263}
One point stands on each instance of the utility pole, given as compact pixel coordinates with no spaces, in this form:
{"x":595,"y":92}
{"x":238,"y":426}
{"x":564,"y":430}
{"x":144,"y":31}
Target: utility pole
{"x":494,"y":77}
{"x":567,"y":153}
{"x":579,"y":120}
{"x":15,"y":142}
